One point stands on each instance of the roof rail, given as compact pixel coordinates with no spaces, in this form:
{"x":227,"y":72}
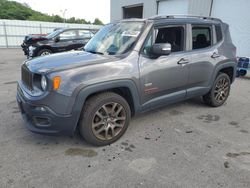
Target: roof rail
{"x":183,"y":16}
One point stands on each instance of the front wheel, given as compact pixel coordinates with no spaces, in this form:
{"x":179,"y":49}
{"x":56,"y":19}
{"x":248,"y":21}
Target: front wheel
{"x":219,"y":92}
{"x":242,"y":72}
{"x":105,"y":118}
{"x":44,"y":52}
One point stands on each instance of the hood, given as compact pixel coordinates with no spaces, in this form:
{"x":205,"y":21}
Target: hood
{"x":29,"y":39}
{"x":66,"y":60}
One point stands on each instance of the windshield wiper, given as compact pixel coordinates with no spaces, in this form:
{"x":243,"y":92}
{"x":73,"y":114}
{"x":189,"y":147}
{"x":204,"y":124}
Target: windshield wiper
{"x":94,"y":52}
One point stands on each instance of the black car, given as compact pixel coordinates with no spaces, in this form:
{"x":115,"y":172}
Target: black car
{"x":58,"y":41}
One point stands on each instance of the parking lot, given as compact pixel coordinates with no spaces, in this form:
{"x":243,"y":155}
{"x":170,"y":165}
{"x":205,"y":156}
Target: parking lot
{"x":183,"y":145}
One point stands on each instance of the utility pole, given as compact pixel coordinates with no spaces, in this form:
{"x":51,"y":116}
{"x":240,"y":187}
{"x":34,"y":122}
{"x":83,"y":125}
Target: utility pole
{"x":63,"y":13}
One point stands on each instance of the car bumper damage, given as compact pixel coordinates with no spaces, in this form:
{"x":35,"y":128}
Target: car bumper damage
{"x":43,"y":120}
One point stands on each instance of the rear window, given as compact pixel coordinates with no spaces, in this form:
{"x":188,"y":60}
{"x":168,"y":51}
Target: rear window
{"x":201,"y":37}
{"x":218,"y":33}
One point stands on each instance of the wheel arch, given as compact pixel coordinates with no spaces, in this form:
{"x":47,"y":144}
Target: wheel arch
{"x":125,"y":88}
{"x":227,"y":67}
{"x":44,"y":47}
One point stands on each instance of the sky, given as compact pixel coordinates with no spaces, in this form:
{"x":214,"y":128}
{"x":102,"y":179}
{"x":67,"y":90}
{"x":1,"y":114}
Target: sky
{"x":87,"y":9}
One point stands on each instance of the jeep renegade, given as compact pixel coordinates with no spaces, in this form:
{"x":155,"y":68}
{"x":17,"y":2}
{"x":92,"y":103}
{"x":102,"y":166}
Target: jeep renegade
{"x":129,"y":66}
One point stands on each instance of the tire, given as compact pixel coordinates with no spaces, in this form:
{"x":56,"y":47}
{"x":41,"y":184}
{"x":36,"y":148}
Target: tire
{"x":108,"y":111}
{"x":242,"y":72}
{"x":238,"y":73}
{"x":44,"y":52}
{"x":219,"y":93}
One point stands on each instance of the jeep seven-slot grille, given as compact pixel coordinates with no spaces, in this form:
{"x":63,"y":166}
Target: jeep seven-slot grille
{"x":27,"y":77}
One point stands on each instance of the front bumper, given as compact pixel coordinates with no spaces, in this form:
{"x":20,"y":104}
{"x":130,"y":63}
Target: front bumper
{"x":27,"y":52}
{"x":25,"y":48}
{"x":42,"y":120}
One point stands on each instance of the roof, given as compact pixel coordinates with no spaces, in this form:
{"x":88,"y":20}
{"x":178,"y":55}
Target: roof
{"x":179,"y":19}
{"x":72,"y":28}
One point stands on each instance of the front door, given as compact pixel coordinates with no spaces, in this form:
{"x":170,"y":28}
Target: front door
{"x":67,"y":41}
{"x":163,"y":79}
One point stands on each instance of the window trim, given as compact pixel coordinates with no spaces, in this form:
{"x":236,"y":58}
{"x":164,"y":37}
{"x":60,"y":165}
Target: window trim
{"x":191,"y":36}
{"x":215,"y":33}
{"x":153,"y":30}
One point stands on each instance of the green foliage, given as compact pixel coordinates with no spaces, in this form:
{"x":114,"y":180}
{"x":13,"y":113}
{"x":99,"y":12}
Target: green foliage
{"x":16,"y":11}
{"x":97,"y":22}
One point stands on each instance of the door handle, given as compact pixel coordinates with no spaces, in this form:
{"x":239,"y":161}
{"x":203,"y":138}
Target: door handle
{"x":182,"y":61}
{"x":215,"y":55}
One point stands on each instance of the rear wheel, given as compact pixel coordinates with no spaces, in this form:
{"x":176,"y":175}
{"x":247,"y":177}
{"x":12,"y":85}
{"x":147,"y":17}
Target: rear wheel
{"x":44,"y":52}
{"x":105,"y":118}
{"x":219,"y":92}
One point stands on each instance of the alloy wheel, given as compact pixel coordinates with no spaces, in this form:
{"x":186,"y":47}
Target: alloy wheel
{"x":108,"y":121}
{"x":45,"y":53}
{"x":221,"y":90}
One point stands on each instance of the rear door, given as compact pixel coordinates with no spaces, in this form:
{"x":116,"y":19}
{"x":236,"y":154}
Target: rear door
{"x":203,"y":57}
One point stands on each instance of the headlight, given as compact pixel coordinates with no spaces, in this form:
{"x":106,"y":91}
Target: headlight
{"x":31,"y":48}
{"x":44,"y":83}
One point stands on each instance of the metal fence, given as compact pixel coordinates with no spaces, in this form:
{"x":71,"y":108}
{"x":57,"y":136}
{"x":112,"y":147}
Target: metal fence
{"x":12,"y":32}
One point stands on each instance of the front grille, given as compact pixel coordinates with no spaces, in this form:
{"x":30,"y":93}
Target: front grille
{"x":27,"y":77}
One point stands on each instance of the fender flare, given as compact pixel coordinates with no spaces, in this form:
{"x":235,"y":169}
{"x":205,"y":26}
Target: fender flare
{"x":83,"y":92}
{"x":222,"y":65}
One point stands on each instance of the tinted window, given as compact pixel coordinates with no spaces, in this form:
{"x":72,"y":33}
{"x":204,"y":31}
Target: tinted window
{"x":201,"y":37}
{"x":71,"y":34}
{"x":172,"y":35}
{"x":218,"y":33}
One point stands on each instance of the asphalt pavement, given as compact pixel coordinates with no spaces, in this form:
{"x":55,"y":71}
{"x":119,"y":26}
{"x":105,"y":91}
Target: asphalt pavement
{"x":187,"y":144}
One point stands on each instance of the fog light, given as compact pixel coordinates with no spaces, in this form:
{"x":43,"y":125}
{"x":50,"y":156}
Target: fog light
{"x":42,"y":109}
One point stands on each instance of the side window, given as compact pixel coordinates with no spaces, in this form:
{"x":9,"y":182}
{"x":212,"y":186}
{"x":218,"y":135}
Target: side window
{"x":201,"y":37}
{"x":172,"y":35}
{"x":71,"y":34}
{"x":84,"y":34}
{"x":218,"y":33}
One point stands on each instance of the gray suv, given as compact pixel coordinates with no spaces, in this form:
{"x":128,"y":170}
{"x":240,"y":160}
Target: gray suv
{"x":129,"y":66}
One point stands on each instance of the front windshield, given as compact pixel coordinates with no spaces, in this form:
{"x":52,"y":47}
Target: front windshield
{"x":115,"y":38}
{"x":53,"y":34}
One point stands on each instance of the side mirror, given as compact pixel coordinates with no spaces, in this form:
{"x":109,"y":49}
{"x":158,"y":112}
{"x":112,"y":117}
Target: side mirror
{"x":161,"y":49}
{"x":57,"y":39}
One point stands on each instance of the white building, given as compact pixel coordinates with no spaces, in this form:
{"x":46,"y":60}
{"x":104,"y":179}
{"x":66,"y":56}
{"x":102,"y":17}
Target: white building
{"x":234,"y":12}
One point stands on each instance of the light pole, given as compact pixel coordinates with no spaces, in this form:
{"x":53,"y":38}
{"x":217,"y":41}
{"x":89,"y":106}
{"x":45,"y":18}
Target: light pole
{"x":63,"y":13}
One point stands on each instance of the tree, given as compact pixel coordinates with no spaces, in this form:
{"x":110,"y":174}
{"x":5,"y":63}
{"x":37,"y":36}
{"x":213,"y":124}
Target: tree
{"x":16,"y":11}
{"x":97,"y":22}
{"x":56,"y":18}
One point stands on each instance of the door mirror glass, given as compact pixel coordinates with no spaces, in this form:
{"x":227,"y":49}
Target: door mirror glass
{"x":160,"y":49}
